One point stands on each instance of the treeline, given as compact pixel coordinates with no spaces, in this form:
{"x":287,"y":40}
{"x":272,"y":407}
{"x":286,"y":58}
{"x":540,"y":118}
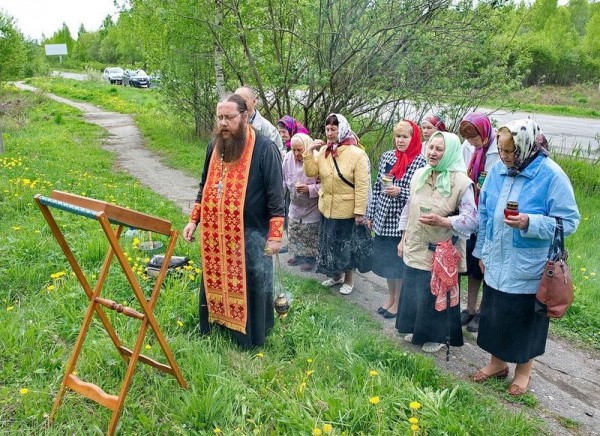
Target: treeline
{"x":365,"y":58}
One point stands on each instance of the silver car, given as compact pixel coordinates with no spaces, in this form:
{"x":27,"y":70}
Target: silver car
{"x":113,"y":75}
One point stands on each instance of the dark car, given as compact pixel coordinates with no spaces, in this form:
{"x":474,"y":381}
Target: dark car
{"x":137,"y":78}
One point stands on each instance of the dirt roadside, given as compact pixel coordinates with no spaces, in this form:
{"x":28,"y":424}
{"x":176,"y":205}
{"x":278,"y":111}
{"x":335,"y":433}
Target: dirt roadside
{"x":565,"y":380}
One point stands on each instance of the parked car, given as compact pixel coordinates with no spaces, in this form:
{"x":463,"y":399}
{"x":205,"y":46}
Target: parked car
{"x":137,"y":78}
{"x":113,"y":75}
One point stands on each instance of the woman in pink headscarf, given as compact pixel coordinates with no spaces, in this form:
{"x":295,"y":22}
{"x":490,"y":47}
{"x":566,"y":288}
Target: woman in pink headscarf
{"x":430,"y":125}
{"x":480,"y":153}
{"x":288,"y":127}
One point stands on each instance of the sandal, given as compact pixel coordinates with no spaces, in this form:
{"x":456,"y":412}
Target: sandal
{"x":481,"y":376}
{"x":516,"y":391}
{"x":346,"y":289}
{"x":432,"y":347}
{"x":408,"y":337}
{"x":332,"y":282}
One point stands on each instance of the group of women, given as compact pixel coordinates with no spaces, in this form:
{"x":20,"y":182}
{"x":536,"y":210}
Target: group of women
{"x":437,"y":210}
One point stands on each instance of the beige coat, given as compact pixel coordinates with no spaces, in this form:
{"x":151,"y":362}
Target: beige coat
{"x":418,"y":236}
{"x":337,"y":200}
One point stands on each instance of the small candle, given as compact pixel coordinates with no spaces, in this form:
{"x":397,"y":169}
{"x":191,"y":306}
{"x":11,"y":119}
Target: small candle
{"x":481,"y":179}
{"x":512,"y":209}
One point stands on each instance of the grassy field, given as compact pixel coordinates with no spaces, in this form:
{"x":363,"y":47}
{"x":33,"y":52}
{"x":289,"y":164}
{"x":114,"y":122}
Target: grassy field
{"x":326,"y":369}
{"x":581,"y":100}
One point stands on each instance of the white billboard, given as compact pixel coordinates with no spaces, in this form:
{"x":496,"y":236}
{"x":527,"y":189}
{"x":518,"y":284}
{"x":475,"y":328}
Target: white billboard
{"x":55,"y":49}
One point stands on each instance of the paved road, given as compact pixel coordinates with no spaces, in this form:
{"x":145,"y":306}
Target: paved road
{"x":564,"y":133}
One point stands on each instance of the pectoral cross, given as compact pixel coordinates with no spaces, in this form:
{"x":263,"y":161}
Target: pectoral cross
{"x":219,"y":187}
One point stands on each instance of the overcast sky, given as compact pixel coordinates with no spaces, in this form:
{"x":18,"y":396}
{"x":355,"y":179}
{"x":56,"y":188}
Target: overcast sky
{"x":37,"y":17}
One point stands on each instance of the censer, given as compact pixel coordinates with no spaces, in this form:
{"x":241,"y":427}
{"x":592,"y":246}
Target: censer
{"x":282,"y":301}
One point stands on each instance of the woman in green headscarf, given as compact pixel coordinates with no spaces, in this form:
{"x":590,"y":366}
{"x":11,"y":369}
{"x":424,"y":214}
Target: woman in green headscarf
{"x":440,"y":213}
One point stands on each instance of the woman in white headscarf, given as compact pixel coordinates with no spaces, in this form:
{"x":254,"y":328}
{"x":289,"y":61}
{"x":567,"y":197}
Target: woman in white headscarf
{"x":513,"y":249}
{"x":343,"y":167}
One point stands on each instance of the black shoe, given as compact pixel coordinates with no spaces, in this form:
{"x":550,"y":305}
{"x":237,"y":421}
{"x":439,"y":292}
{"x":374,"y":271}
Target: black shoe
{"x":283,"y":249}
{"x":388,"y":315}
{"x":465,"y":317}
{"x":473,"y":325}
{"x":381,"y":311}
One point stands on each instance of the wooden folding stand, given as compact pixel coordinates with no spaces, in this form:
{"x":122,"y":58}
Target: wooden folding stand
{"x":107,"y":214}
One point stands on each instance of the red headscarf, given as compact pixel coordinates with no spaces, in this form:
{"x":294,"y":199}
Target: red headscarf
{"x":405,"y":158}
{"x":437,"y":122}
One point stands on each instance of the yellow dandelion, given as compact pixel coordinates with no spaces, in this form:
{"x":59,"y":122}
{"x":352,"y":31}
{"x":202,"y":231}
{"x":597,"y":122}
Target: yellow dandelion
{"x":260,"y":355}
{"x":192,"y":277}
{"x":309,"y":360}
{"x":191,"y":262}
{"x":586,"y":218}
{"x":582,"y":269}
{"x":310,"y":372}
{"x":586,"y":277}
{"x":51,"y":288}
{"x":124,"y":303}
{"x":414,"y":427}
{"x":9,"y":308}
{"x":414,"y":405}
{"x":37,"y":231}
{"x":16,"y":228}
{"x":316,"y":431}
{"x":24,"y":391}
{"x":302,"y":387}
{"x":374,"y":400}
{"x":373,"y":373}
{"x":217,"y":430}
{"x":327,"y":428}
{"x":413,"y":420}
{"x":593,"y":274}
{"x":197,"y":270}
{"x":148,"y":347}
{"x":179,"y":323}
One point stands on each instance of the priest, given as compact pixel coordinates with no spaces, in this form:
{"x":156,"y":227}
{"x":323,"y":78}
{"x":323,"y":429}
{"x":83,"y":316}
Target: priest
{"x":239,"y":210}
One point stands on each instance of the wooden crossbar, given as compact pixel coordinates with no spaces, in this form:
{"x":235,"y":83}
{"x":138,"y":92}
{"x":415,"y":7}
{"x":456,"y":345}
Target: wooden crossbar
{"x":107,"y":215}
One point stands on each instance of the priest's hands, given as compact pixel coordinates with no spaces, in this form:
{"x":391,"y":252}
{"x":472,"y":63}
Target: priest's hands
{"x":272,"y":247}
{"x":188,"y":232}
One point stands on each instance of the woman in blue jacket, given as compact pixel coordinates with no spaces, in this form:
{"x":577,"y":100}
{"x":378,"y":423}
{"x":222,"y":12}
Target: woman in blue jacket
{"x":513,"y":249}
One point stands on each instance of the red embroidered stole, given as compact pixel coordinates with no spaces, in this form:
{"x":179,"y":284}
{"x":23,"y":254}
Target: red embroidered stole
{"x":222,"y":238}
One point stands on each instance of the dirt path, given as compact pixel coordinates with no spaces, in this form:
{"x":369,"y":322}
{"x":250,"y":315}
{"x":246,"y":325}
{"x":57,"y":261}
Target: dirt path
{"x":566,"y":380}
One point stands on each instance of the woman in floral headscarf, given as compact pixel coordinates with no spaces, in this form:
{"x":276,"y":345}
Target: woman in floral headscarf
{"x":480,"y":152}
{"x":441,"y":209}
{"x":513,"y":249}
{"x":392,"y":188}
{"x":288,"y":127}
{"x":342,"y":198}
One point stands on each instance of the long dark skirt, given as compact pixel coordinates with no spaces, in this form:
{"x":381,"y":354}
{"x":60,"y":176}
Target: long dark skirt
{"x":386,"y":262}
{"x":509,"y":329}
{"x":331,"y":235}
{"x":261,"y":317}
{"x":417,"y":314}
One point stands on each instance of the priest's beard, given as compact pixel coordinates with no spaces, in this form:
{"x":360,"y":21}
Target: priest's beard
{"x":232,"y":147}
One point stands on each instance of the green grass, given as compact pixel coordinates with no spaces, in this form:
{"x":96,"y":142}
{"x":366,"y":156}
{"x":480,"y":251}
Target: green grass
{"x":328,"y":363}
{"x":581,"y":100}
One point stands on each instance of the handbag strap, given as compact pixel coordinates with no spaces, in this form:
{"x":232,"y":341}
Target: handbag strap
{"x":557,"y":248}
{"x":340,"y":174}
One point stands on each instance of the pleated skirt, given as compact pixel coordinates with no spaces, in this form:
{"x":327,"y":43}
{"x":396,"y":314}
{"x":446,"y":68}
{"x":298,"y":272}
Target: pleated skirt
{"x":386,"y":262}
{"x":417,"y":314}
{"x":509,"y":329}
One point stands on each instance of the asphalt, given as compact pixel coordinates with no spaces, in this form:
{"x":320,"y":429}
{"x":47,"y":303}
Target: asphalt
{"x":565,"y":380}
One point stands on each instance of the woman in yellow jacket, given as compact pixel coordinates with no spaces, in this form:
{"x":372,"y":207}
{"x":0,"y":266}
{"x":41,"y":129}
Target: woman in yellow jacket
{"x":344,"y":170}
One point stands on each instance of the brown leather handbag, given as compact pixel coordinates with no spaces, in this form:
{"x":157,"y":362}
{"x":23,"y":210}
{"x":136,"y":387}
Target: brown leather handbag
{"x":555,"y":294}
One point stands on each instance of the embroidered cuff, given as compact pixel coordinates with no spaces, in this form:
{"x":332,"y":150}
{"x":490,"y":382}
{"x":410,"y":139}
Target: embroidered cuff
{"x":195,"y":214}
{"x":276,"y":228}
